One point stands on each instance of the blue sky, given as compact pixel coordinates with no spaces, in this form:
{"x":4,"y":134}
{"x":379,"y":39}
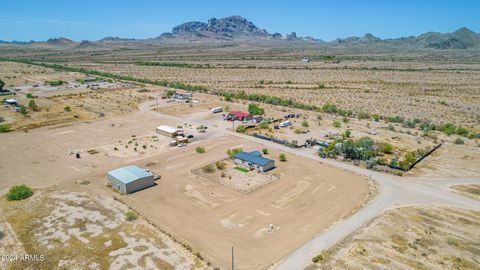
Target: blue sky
{"x":326,"y":19}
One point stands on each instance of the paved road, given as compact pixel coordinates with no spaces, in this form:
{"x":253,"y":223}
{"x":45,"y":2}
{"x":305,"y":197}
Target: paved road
{"x":394,"y":192}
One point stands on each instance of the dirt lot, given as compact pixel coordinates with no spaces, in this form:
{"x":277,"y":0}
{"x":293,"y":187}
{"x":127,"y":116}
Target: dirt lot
{"x":307,"y":198}
{"x":57,"y":224}
{"x":410,"y":238}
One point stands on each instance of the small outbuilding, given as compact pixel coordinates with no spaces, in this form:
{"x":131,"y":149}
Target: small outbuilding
{"x":169,"y":131}
{"x":254,"y":160}
{"x":130,"y":179}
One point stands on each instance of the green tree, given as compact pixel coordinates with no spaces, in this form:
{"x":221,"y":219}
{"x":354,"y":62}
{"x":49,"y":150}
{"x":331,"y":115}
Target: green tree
{"x":29,"y":95}
{"x":282,"y":157}
{"x":255,"y":110}
{"x":265,"y":151}
{"x":67,"y":108}
{"x":2,"y":84}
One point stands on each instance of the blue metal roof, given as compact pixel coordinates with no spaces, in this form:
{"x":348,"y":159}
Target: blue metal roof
{"x":129,"y":174}
{"x":254,"y":157}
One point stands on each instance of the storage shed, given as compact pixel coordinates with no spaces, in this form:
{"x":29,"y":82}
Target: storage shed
{"x":130,"y":179}
{"x":169,"y":131}
{"x":254,"y":160}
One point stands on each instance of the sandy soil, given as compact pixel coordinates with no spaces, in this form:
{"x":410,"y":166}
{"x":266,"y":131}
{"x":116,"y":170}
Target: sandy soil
{"x":450,"y":161}
{"x":56,"y":224}
{"x":472,"y":191}
{"x":214,"y":217}
{"x":410,"y":238}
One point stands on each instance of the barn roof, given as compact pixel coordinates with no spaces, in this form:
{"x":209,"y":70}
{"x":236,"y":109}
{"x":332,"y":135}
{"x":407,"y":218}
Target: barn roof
{"x":129,"y":174}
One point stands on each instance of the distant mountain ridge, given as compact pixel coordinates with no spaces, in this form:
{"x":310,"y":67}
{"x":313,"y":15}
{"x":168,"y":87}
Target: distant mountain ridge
{"x":238,"y":29}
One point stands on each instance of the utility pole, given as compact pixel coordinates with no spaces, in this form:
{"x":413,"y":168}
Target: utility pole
{"x":233,"y":260}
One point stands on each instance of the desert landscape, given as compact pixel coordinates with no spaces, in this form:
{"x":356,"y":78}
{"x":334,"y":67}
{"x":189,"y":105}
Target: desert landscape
{"x":219,"y":145}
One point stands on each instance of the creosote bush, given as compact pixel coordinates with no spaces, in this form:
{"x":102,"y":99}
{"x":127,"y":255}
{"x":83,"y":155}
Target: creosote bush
{"x":19,"y":192}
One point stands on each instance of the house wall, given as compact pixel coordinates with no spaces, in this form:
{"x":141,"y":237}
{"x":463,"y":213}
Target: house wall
{"x":270,"y":165}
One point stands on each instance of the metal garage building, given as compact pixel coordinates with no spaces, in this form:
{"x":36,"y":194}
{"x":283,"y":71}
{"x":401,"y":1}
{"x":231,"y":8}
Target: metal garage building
{"x":169,"y":131}
{"x":130,"y":179}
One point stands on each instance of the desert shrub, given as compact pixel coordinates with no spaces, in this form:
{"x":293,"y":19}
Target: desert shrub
{"x":337,"y":124}
{"x":67,"y":108}
{"x":321,"y":86}
{"x":462,"y":131}
{"x":2,"y":84}
{"x":317,"y":258}
{"x":458,"y":141}
{"x":297,"y":131}
{"x":200,"y":150}
{"x":263,"y":125}
{"x":329,"y":108}
{"x":220,"y":165}
{"x":32,"y":105}
{"x":305,"y":123}
{"x":130,"y":216}
{"x":29,"y":95}
{"x":395,"y":119}
{"x":347,"y":134}
{"x":376,"y":117}
{"x":23,"y":110}
{"x":208,"y":169}
{"x":19,"y":192}
{"x":241,"y":129}
{"x":282,"y":157}
{"x":408,"y":160}
{"x":232,"y":152}
{"x":255,"y":110}
{"x":447,"y":128}
{"x":170,"y":93}
{"x":55,"y":82}
{"x":386,"y":148}
{"x":391,"y":127}
{"x":4,"y":128}
{"x":265,"y":151}
{"x":363,"y":115}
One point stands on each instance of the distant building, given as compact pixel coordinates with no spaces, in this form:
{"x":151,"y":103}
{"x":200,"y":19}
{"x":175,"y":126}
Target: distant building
{"x":169,"y":131}
{"x":254,"y":160}
{"x":10,"y":101}
{"x":216,"y":109}
{"x":257,"y":119}
{"x":183,"y":96}
{"x":130,"y":179}
{"x":238,"y":116}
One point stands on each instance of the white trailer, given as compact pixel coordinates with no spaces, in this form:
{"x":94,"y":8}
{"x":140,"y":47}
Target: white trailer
{"x":285,"y":124}
{"x":216,"y":109}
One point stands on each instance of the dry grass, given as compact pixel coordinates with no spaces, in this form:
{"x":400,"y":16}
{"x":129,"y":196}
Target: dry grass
{"x":413,"y":238}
